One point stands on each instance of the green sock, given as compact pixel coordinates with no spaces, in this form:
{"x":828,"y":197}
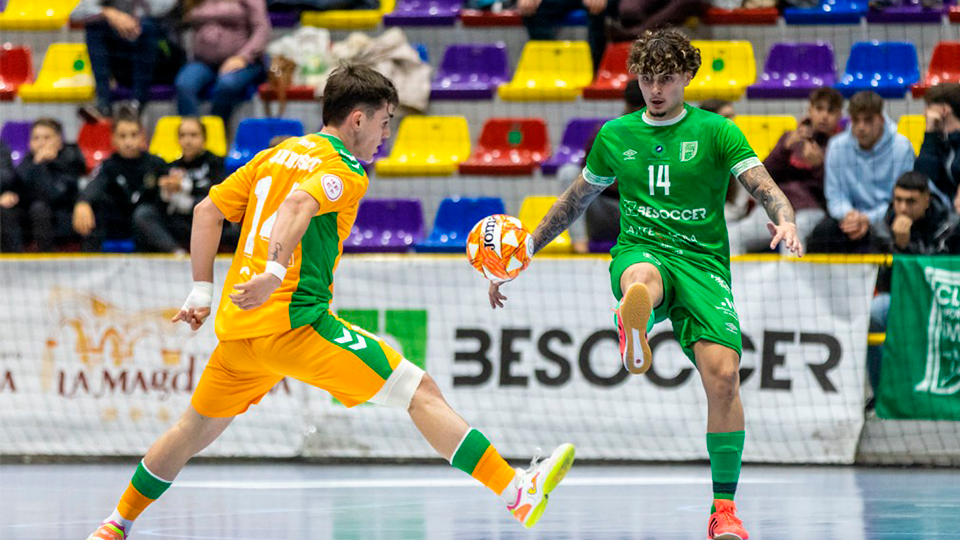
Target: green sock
{"x":725,"y":451}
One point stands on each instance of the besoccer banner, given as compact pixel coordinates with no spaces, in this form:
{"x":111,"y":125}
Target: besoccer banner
{"x":920,"y":374}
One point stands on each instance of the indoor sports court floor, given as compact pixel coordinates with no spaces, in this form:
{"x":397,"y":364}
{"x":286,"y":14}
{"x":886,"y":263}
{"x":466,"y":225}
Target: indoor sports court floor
{"x":299,"y":502}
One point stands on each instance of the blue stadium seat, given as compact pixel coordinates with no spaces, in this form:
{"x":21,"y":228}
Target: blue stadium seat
{"x":455,"y":217}
{"x":254,"y":134}
{"x":828,"y":12}
{"x":888,"y":68}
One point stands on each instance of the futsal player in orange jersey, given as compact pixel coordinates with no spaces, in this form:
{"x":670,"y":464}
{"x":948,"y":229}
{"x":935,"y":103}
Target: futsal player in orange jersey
{"x":297,"y":203}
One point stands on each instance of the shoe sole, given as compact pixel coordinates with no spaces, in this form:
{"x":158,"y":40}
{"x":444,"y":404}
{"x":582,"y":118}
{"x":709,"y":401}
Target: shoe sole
{"x":727,"y":536}
{"x":565,"y":455}
{"x":636,"y":307}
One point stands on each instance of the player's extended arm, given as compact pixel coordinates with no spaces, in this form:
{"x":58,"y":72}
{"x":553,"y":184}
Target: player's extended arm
{"x":293,"y":218}
{"x":204,"y":241}
{"x":758,"y":183}
{"x":565,"y":211}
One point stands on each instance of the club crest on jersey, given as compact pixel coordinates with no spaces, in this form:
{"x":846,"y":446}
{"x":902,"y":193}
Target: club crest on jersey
{"x":658,"y":149}
{"x":332,"y":186}
{"x":688,"y":150}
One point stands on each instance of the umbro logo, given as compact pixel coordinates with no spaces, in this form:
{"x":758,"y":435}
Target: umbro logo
{"x":630,"y":155}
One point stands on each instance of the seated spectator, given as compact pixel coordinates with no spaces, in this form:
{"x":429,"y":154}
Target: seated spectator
{"x":122,"y":39}
{"x":45,"y":190}
{"x":126,"y":179}
{"x":8,"y":200}
{"x":862,"y":164}
{"x":738,"y":201}
{"x":544,"y":17}
{"x":164,"y":225}
{"x":229,"y":39}
{"x":634,"y":17}
{"x":939,"y":157}
{"x":796,"y":164}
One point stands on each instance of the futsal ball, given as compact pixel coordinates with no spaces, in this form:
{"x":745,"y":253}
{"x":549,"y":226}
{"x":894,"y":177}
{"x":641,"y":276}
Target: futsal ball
{"x":499,"y":247}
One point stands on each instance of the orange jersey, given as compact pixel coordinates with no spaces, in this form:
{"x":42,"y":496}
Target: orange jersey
{"x":320,"y":165}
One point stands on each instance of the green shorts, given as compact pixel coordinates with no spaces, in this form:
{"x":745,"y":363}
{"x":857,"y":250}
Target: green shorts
{"x":696,"y":296}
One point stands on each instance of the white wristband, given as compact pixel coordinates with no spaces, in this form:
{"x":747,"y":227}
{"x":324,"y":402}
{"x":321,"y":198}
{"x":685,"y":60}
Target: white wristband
{"x":277,"y":269}
{"x":200,"y":297}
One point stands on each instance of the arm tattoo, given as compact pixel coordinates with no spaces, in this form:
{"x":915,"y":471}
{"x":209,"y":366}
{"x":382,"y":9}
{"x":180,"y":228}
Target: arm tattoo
{"x":275,"y":254}
{"x":565,"y":211}
{"x":758,"y":183}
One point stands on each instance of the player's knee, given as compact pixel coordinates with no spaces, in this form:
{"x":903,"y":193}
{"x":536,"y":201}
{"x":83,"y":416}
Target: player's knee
{"x":722,"y":380}
{"x":642,"y":273}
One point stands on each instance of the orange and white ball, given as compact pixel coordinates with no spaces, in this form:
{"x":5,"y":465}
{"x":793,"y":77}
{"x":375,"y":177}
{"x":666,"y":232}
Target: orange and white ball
{"x":499,"y":247}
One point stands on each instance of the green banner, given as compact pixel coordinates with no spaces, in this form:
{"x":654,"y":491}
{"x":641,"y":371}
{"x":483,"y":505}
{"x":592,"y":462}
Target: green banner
{"x":920,"y":374}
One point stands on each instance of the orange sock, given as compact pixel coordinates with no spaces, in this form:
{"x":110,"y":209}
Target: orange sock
{"x":478,"y":458}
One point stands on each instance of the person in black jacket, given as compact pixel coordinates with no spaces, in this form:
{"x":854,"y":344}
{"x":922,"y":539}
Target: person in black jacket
{"x":939,"y":157}
{"x":127,"y":179}
{"x":165,"y":226}
{"x":44,"y":189}
{"x":8,"y":200}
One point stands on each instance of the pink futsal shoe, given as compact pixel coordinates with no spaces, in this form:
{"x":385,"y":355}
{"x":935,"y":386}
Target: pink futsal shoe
{"x":109,"y":530}
{"x":724,"y":523}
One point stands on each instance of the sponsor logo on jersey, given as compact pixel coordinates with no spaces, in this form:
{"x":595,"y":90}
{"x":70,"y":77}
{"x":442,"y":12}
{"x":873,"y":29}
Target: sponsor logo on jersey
{"x":677,"y":214}
{"x":293,"y":160}
{"x":332,"y":186}
{"x":728,"y":309}
{"x":307,"y":143}
{"x":688,"y":150}
{"x":720,"y":281}
{"x":630,"y":155}
{"x":732,"y":328}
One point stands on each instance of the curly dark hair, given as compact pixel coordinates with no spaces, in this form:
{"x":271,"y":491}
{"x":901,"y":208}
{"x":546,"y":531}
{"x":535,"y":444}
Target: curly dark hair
{"x":666,"y":50}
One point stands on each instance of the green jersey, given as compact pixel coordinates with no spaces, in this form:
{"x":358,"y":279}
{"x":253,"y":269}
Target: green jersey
{"x":673,"y":177}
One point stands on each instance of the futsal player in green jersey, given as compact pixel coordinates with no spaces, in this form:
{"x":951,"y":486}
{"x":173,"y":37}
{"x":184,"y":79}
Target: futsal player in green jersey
{"x":672,"y":162}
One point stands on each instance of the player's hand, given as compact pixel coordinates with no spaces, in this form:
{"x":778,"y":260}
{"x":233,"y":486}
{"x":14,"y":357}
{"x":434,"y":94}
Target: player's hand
{"x":255,"y":292}
{"x":786,"y":232}
{"x":496,"y":297}
{"x":196,"y":308}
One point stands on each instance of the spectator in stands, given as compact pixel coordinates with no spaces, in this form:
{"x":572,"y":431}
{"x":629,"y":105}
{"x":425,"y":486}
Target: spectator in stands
{"x":544,"y":17}
{"x":738,"y":201}
{"x":862,"y":164}
{"x":164,"y":225}
{"x":719,"y":106}
{"x":796,"y":164}
{"x":44,"y":190}
{"x":634,"y":17}
{"x":8,"y":200}
{"x":122,"y":39}
{"x":939,"y":157}
{"x":229,"y":39}
{"x":127,"y":179}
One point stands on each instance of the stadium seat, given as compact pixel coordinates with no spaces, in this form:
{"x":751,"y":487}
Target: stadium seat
{"x":888,"y":68}
{"x":65,"y":75}
{"x":955,"y":14}
{"x":612,"y":77}
{"x":509,"y":146}
{"x":763,"y":132}
{"x":94,"y":140}
{"x":36,"y":14}
{"x":727,"y":69}
{"x":164,"y":142}
{"x":455,"y":217}
{"x":944,"y":67}
{"x":424,"y":13}
{"x":483,"y":18}
{"x":16,"y":68}
{"x":550,"y":71}
{"x":793,"y":70}
{"x":471,"y":71}
{"x":913,"y":126}
{"x":295,"y":92}
{"x":740,"y":16}
{"x":157,"y":92}
{"x":284,"y":19}
{"x":427,"y":145}
{"x":907,"y":12}
{"x":386,"y":226}
{"x":573,"y":144}
{"x":356,"y":19}
{"x":532,"y":210}
{"x":600,"y":246}
{"x":254,"y":134}
{"x":16,"y":134}
{"x":828,"y":12}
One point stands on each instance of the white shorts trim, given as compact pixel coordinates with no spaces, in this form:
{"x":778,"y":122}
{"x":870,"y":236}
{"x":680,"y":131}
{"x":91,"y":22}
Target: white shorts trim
{"x":398,"y":389}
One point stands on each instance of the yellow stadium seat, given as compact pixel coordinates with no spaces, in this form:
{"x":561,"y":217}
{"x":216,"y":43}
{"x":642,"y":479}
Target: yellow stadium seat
{"x":427,"y":145}
{"x":36,"y":14}
{"x":913,"y":126}
{"x":532,"y":211}
{"x":65,"y":75}
{"x":550,"y":71}
{"x":164,"y":142}
{"x":727,"y":68}
{"x":356,"y":19}
{"x":763,"y":132}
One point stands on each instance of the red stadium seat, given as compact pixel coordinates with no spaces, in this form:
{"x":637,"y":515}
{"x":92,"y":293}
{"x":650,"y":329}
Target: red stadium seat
{"x":509,"y":146}
{"x":955,"y":14}
{"x":612,"y":77}
{"x":478,"y":17}
{"x":16,"y":68}
{"x":94,"y":142}
{"x":296,"y":92}
{"x":741,"y":16}
{"x":944,"y":67}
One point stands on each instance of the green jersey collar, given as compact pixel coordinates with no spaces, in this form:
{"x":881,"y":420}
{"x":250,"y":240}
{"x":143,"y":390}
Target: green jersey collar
{"x":661,"y":123}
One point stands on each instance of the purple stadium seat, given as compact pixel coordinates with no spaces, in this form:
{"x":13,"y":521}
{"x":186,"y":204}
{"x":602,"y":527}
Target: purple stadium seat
{"x":17,"y":136}
{"x":573,"y":144}
{"x":910,"y":11}
{"x":793,"y":70}
{"x":471,"y":71}
{"x":386,"y":226}
{"x":284,"y":19}
{"x":158,"y":92}
{"x":600,"y":246}
{"x":424,"y":13}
